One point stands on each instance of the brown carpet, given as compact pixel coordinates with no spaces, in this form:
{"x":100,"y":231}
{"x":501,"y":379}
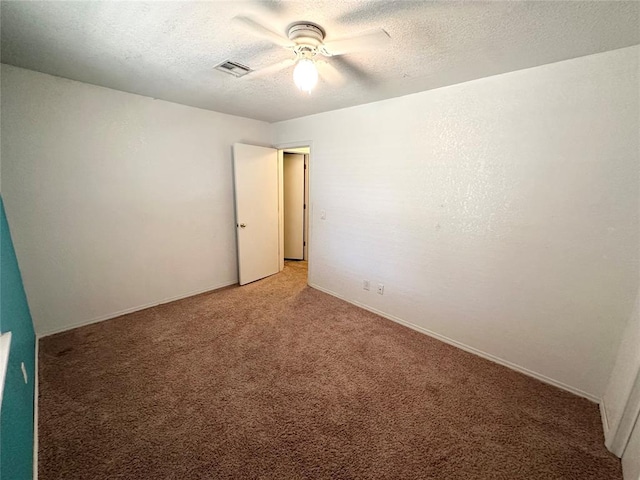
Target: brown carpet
{"x":276,"y":380}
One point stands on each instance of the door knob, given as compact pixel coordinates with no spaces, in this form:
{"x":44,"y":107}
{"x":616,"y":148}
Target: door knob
{"x":242,"y":225}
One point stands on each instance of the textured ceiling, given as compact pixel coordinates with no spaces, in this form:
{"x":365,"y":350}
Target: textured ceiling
{"x":168,"y":50}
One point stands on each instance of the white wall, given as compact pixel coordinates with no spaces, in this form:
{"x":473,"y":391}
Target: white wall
{"x":500,"y":214}
{"x":631,"y":457}
{"x":116,"y":201}
{"x":625,"y":373}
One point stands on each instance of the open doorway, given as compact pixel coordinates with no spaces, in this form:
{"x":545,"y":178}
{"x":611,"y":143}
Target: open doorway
{"x":295,"y":205}
{"x":259,"y":182}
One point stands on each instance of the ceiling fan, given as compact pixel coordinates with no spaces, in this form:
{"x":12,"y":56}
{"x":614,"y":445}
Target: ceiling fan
{"x":306,"y":41}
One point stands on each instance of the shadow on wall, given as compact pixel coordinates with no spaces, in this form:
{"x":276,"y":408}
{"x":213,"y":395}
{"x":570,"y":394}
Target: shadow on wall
{"x":16,"y":416}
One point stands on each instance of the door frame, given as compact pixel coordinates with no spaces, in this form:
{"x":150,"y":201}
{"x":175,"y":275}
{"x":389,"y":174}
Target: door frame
{"x":629,"y":419}
{"x":284,"y":146}
{"x":297,"y":216}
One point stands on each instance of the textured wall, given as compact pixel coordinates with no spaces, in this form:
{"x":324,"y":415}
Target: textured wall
{"x":16,"y":419}
{"x":501,"y":213}
{"x":116,"y":201}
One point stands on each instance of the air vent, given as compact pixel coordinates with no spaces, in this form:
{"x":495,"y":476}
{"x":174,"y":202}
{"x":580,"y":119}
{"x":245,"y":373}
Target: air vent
{"x":233,"y":68}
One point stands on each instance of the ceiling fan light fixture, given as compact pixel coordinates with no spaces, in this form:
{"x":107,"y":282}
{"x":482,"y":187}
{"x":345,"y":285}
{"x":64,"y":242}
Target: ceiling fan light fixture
{"x":305,"y":75}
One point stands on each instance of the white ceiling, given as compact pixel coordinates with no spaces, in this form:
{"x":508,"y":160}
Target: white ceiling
{"x":168,"y":50}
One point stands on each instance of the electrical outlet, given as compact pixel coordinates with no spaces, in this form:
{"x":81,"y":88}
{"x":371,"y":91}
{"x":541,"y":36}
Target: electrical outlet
{"x":380,"y":289}
{"x":365,"y":285}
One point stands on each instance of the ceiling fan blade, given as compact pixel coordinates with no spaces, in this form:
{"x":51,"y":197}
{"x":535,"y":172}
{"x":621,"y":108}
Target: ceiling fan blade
{"x":367,"y":41}
{"x":271,"y":69}
{"x":275,"y":6}
{"x":262,"y":31}
{"x":352,"y":70}
{"x":330,"y":74}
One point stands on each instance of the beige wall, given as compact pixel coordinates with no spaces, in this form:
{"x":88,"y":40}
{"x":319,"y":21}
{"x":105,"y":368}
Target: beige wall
{"x":500,"y":214}
{"x":116,"y":201}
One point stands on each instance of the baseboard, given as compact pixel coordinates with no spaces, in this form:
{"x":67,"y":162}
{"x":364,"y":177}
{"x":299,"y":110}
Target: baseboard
{"x":605,"y":420}
{"x":36,"y":379}
{"x":467,"y":348}
{"x":109,"y":316}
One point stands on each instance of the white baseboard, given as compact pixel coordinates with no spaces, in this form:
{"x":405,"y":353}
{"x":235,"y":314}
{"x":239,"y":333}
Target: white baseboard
{"x":393,"y":318}
{"x":605,"y":420}
{"x":467,"y":348}
{"x":36,"y":379}
{"x":109,"y":316}
{"x":606,"y":427}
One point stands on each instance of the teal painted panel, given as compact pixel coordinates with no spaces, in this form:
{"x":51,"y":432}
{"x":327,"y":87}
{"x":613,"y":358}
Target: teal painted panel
{"x":16,"y":416}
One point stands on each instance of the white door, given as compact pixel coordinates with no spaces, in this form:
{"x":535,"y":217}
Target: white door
{"x":255,"y":172}
{"x":293,"y":166}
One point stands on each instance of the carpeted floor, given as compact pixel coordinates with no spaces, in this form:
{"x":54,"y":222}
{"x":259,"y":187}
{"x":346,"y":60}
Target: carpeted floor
{"x":275,"y":380}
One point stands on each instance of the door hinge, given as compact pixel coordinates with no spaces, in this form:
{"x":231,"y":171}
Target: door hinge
{"x":304,"y":244}
{"x":305,"y":166}
{"x":304,"y":207}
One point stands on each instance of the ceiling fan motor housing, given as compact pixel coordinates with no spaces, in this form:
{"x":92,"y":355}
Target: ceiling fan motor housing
{"x":306,"y":34}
